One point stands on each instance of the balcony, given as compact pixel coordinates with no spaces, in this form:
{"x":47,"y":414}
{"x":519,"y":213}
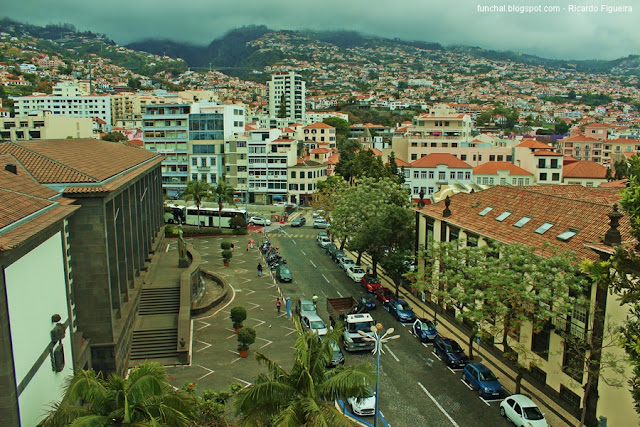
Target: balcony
{"x":203,"y":168}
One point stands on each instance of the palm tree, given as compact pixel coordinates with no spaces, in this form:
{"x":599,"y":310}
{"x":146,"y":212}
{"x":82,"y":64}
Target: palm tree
{"x":223,"y":193}
{"x":199,"y":191}
{"x":145,"y":397}
{"x":305,"y":394}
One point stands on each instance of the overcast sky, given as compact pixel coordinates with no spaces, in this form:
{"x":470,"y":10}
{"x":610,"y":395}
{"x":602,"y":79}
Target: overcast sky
{"x":562,"y":34}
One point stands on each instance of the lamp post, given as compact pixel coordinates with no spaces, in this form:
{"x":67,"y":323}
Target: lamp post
{"x":379,"y":340}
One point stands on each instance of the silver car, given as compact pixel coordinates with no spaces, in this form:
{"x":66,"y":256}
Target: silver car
{"x":305,"y":307}
{"x":258,"y":220}
{"x":315,"y":323}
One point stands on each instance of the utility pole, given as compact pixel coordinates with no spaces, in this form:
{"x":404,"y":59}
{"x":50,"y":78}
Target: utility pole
{"x":90,"y":81}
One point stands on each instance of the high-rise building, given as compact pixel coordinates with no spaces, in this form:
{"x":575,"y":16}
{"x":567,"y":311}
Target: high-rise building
{"x":287,"y":87}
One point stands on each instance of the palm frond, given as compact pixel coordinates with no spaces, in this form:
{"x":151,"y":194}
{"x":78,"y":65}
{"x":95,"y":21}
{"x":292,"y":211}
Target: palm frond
{"x":62,"y":414}
{"x":351,"y":381}
{"x":145,"y":380}
{"x":91,"y":421}
{"x":273,"y":367}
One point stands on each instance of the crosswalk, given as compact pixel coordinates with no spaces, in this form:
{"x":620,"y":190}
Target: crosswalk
{"x":294,"y":235}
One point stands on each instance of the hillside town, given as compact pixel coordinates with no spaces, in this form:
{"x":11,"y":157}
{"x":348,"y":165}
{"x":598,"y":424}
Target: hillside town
{"x":105,"y":166}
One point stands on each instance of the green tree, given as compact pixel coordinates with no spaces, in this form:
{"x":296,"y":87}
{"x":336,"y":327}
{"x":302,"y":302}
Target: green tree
{"x":621,"y":169}
{"x":343,"y":128}
{"x":561,"y":127}
{"x":44,"y":86}
{"x":282,"y":110}
{"x":145,"y":397}
{"x":223,"y":193}
{"x":304,"y":395}
{"x":210,"y":408}
{"x":199,"y":192}
{"x":114,"y":137}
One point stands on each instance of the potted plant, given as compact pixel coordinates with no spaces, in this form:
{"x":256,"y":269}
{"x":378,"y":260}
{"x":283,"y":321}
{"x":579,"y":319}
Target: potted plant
{"x":225,"y":245}
{"x":226,"y":256}
{"x":238,"y":315}
{"x":246,"y":337}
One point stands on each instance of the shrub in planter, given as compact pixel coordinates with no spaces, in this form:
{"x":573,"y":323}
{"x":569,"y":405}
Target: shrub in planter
{"x":226,"y":255}
{"x":238,"y":315}
{"x":246,"y":337}
{"x":225,"y":245}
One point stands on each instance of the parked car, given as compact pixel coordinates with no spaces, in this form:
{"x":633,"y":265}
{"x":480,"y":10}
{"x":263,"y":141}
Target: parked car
{"x":337,"y":255}
{"x":521,"y":410}
{"x":480,"y":378}
{"x":283,"y":273}
{"x":355,"y":273}
{"x":370,"y":283}
{"x":384,"y":295}
{"x":298,"y":222}
{"x":258,"y":220}
{"x":346,"y":262}
{"x":323,"y":234}
{"x":315,"y":323}
{"x":363,"y":406}
{"x":337,"y":356}
{"x":366,"y":303}
{"x":401,"y":310}
{"x":450,"y":352}
{"x":305,"y":307}
{"x":331,"y":248}
{"x":320,"y":224}
{"x":323,"y":241}
{"x":425,"y":330}
{"x":318,"y":213}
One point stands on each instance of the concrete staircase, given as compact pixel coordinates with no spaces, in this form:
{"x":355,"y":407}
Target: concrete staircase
{"x":154,"y":344}
{"x":155,"y":301}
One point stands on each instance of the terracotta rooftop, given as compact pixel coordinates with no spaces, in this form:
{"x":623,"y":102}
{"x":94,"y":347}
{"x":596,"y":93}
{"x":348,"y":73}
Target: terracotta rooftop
{"x":319,"y":125}
{"x":434,"y":159}
{"x":532,"y":143}
{"x":584,"y":169}
{"x":492,"y":168}
{"x":580,"y":138}
{"x":546,"y":153}
{"x":587,"y":217}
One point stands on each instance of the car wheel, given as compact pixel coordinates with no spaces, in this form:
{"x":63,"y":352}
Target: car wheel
{"x":502,"y":413}
{"x":480,"y":391}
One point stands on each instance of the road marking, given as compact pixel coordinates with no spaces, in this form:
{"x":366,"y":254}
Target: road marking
{"x":243,"y":381}
{"x":339,"y":294}
{"x":481,"y":398}
{"x":466,"y":383}
{"x":268,"y":342}
{"x":233,"y":297}
{"x":325,"y":278}
{"x":260,"y":322}
{"x":386,"y":347}
{"x":452,"y":371}
{"x":294,"y":242}
{"x":312,"y":263}
{"x":254,"y":305}
{"x":203,"y":348}
{"x":168,"y":247}
{"x":207,"y":374}
{"x":438,"y":405}
{"x":205,"y":325}
{"x":323,"y":293}
{"x":437,"y":357}
{"x":303,"y":252}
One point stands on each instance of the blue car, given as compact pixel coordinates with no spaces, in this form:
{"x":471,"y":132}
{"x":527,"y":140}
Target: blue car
{"x":401,"y":310}
{"x":425,"y":330}
{"x":450,"y":352}
{"x":367,"y":303}
{"x":480,"y":378}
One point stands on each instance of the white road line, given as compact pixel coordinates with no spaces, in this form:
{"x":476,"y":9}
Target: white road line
{"x":438,"y":405}
{"x":437,"y":357}
{"x":207,"y":374}
{"x":303,"y":252}
{"x":452,"y":371}
{"x":294,"y":242}
{"x":339,"y":294}
{"x":466,"y":383}
{"x":323,"y":293}
{"x":205,"y":325}
{"x":386,"y":347}
{"x":243,"y":381}
{"x":481,"y":398}
{"x":167,"y":250}
{"x":325,"y":278}
{"x":312,"y":263}
{"x":233,"y":296}
{"x":203,"y":348}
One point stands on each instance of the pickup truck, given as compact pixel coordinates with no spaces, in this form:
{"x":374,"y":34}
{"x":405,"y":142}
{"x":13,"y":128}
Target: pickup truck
{"x":341,"y":310}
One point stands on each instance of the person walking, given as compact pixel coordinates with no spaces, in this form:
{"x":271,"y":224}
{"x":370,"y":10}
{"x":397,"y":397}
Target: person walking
{"x":278,"y":304}
{"x":314,"y":298}
{"x":259,"y":269}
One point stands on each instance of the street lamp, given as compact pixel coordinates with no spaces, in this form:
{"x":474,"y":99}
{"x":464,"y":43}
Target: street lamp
{"x":379,"y":340}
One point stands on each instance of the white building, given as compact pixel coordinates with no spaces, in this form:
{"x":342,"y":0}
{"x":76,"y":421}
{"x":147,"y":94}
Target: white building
{"x":290,"y":87}
{"x":429,"y":173}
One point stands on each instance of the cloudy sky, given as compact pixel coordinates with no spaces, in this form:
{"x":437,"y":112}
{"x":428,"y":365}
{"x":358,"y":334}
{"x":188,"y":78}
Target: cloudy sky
{"x":555,"y":34}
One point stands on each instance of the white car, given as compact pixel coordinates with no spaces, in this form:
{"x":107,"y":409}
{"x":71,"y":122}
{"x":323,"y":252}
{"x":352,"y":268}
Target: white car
{"x":258,"y":220}
{"x":323,"y":241}
{"x":365,"y":405}
{"x":356,"y":273}
{"x":318,"y":213}
{"x":346,"y":262}
{"x":521,"y":410}
{"x":314,"y":323}
{"x":320,"y":224}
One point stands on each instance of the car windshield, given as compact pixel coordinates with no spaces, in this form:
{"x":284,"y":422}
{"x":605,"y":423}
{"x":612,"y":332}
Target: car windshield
{"x":308,"y":307}
{"x":372,"y":279}
{"x":454,"y":347}
{"x":360,"y":326}
{"x":428,"y":325}
{"x":533,"y":413}
{"x":403,"y":306}
{"x":388,"y":293}
{"x":317,"y":324}
{"x":487,"y":376}
{"x":357,"y":270}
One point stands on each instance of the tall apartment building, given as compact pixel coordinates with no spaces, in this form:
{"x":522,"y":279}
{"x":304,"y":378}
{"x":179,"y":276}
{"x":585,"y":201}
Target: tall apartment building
{"x":290,"y":88}
{"x":65,"y":102}
{"x":43,"y":126}
{"x":191,"y":136}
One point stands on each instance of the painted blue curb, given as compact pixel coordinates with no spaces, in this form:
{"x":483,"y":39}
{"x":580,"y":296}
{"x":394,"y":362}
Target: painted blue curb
{"x":348,"y":413}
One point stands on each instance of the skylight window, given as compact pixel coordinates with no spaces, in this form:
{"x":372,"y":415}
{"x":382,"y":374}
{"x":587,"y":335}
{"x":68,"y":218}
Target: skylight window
{"x":475,"y":205}
{"x":485,"y":211}
{"x":503,"y":216}
{"x":522,"y":221}
{"x":544,"y":227}
{"x":567,"y":235}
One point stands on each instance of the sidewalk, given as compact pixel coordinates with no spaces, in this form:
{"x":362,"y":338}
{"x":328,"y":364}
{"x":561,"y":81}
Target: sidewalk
{"x":554,"y":413}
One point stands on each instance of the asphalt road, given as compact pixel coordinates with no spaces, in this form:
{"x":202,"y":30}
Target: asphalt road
{"x":416,"y":388}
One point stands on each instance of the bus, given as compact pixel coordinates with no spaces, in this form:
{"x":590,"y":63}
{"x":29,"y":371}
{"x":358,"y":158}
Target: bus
{"x":173,"y":214}
{"x":210,"y":217}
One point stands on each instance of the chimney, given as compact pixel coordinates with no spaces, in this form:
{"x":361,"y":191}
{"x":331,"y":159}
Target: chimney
{"x":613,"y":237}
{"x":447,"y":212}
{"x":10,"y":167}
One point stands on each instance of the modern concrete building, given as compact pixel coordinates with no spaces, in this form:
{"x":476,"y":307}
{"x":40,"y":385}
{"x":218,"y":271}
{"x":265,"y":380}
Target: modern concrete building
{"x":303,"y":181}
{"x":570,"y":217}
{"x":429,"y":173}
{"x":501,"y":173}
{"x":287,"y":87}
{"x":540,"y":159}
{"x":44,"y":125}
{"x":73,"y":105}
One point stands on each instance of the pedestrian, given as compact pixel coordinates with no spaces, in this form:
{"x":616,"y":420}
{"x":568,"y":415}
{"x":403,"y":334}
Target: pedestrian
{"x":259,"y":269}
{"x":314,"y":298}
{"x":251,"y":243}
{"x":233,"y":246}
{"x":248,"y":246}
{"x":368,"y":270}
{"x":278,"y":304}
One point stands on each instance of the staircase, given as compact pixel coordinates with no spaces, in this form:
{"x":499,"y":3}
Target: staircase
{"x":154,"y":344}
{"x":159,"y":301}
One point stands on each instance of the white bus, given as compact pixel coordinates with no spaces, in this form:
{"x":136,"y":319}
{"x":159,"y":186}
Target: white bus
{"x":173,"y":214}
{"x":210,"y":217}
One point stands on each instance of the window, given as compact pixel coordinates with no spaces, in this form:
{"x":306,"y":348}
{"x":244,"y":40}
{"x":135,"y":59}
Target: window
{"x":301,"y":174}
{"x":573,"y":361}
{"x":554,"y":164}
{"x":540,"y":342}
{"x":569,"y":396}
{"x":543,"y":176}
{"x":452,"y":175}
{"x":485,"y":211}
{"x":460,"y":175}
{"x":423,"y":174}
{"x":567,"y":235}
{"x":504,"y":215}
{"x":463,"y":157}
{"x":442,"y":176}
{"x":194,"y":161}
{"x":542,"y":163}
{"x":503,"y":181}
{"x":555,"y":177}
{"x":467,"y":175}
{"x":522,"y":221}
{"x":414,"y":157}
{"x":544,"y":227}
{"x":431,"y":174}
{"x":416,"y":190}
{"x":416,"y":174}
{"x":293,"y":174}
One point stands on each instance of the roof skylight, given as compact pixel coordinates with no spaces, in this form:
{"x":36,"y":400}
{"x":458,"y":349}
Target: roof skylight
{"x":522,"y":221}
{"x":485,"y":211}
{"x":544,"y":227}
{"x":567,"y":235}
{"x":503,"y":216}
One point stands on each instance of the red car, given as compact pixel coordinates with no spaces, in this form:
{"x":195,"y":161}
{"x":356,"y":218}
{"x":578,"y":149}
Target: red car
{"x":384,"y":294}
{"x":371,"y":283}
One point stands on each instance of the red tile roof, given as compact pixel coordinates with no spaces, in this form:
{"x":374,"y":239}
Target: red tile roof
{"x":492,"y":168}
{"x":401,"y":163}
{"x":434,"y":159}
{"x":580,"y":138}
{"x":319,"y":125}
{"x":584,"y":169}
{"x":532,"y":143}
{"x":622,"y":183}
{"x":546,"y":153}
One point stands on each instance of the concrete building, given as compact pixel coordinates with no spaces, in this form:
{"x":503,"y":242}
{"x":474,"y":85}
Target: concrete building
{"x":303,"y":181}
{"x":584,"y":148}
{"x":319,"y":135}
{"x":570,"y":217}
{"x":501,"y":173}
{"x":428,"y":174}
{"x":290,"y":88}
{"x":45,"y":126}
{"x":589,"y":174}
{"x":319,"y":116}
{"x":539,"y":159}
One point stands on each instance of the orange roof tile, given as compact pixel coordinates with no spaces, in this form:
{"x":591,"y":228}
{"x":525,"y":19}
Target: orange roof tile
{"x":546,"y":153}
{"x":434,"y":159}
{"x":584,"y":169}
{"x":492,"y":168}
{"x":532,"y":143}
{"x":319,"y":125}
